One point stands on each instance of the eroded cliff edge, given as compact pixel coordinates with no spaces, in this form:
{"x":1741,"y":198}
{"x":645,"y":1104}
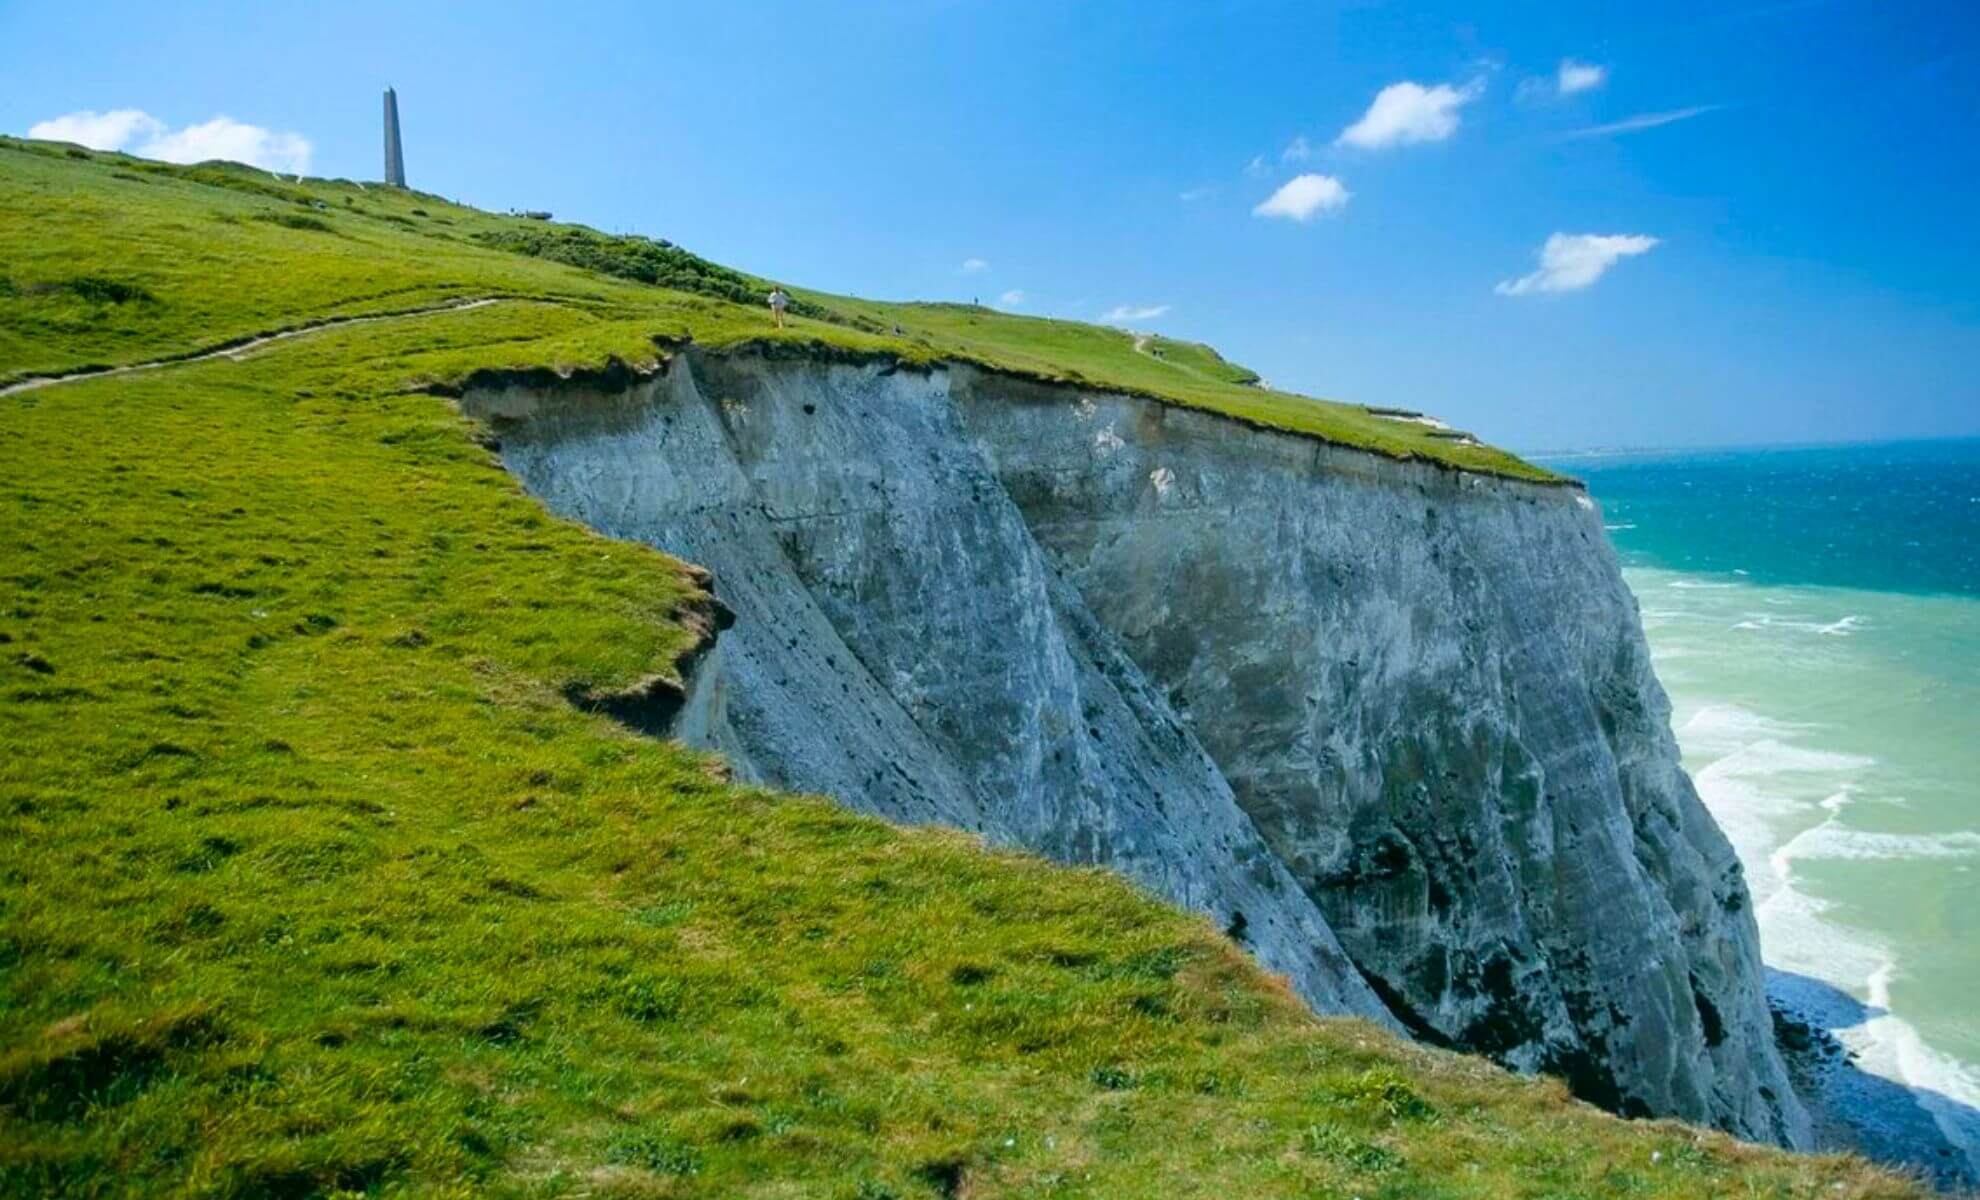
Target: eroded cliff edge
{"x":1393,"y":725}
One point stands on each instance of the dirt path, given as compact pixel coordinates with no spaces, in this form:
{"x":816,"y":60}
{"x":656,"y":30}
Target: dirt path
{"x":1141,"y":341}
{"x":240,"y":349}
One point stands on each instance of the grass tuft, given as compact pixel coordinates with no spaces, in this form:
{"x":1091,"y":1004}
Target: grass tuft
{"x":83,"y":1065}
{"x":296,"y":221}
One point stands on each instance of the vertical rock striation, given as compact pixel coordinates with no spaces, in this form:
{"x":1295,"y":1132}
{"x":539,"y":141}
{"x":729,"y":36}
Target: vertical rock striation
{"x":900,"y":642}
{"x":1393,"y":725}
{"x":1431,"y":693}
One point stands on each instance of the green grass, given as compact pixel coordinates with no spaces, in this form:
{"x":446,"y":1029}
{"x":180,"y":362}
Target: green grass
{"x":312,"y":883}
{"x":227,"y":252}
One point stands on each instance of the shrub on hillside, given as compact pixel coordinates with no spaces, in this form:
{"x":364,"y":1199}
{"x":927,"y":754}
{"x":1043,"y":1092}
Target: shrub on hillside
{"x":93,"y":289}
{"x":647,"y":260}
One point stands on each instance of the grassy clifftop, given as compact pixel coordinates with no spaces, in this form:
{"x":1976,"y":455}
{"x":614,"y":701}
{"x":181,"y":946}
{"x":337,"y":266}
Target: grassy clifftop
{"x":139,"y":260}
{"x":312,"y":882}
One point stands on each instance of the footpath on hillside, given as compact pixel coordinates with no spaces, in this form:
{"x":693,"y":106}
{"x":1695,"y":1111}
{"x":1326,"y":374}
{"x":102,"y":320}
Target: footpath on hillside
{"x":239,"y":349}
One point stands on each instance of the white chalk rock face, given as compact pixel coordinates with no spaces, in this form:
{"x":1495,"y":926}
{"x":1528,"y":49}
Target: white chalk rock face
{"x":900,"y":642}
{"x":1393,"y":726}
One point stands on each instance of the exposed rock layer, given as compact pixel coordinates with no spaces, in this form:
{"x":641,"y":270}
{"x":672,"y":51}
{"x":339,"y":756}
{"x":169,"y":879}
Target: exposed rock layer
{"x":1359,"y":709}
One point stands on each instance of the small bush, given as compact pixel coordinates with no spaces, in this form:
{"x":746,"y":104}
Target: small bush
{"x":94,"y":289}
{"x":232,"y":176}
{"x":296,"y":221}
{"x":1338,"y":1146}
{"x":107,"y":292}
{"x":647,"y":260}
{"x":1386,"y":1093}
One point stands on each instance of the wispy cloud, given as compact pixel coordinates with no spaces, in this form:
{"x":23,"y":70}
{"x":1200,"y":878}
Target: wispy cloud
{"x":1297,"y":150}
{"x":1258,"y":168}
{"x":1571,"y":77}
{"x":1405,"y":113}
{"x":1579,"y":77}
{"x":1642,"y":121}
{"x":1121,"y":314}
{"x":971,"y":266}
{"x":1572,"y":261}
{"x":138,"y":132}
{"x":1012,"y":298}
{"x":1304,"y":197}
{"x":1197,"y":193}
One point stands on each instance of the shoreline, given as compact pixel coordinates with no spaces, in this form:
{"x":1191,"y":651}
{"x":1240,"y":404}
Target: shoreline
{"x":1784,"y":794}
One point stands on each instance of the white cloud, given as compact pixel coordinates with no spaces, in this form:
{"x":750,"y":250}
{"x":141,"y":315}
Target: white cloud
{"x":144,"y":135}
{"x":1409,"y":112}
{"x":1571,"y":77}
{"x":1303,"y":197}
{"x":1643,"y":121}
{"x":973,"y":265}
{"x":1196,"y":193}
{"x":226,"y":138}
{"x":1579,"y":76}
{"x":99,"y":131}
{"x":1297,"y":150}
{"x":1012,"y":298}
{"x":1258,"y":168}
{"x":1121,"y":314}
{"x":1572,"y":261}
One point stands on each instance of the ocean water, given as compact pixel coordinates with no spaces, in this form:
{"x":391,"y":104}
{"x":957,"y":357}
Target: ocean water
{"x":1815,"y":616}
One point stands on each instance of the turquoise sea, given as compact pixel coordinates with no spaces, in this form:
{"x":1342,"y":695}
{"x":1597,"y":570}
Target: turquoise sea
{"x":1815,"y":616}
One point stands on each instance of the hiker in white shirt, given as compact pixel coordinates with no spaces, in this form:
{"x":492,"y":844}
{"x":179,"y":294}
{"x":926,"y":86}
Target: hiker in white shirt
{"x":779,"y":301}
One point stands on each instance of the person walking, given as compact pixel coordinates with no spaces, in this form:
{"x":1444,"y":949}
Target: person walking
{"x":779,"y":301}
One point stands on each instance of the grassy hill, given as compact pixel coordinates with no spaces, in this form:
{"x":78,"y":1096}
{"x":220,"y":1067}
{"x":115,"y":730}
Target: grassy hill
{"x":313,"y":883}
{"x":131,"y":260}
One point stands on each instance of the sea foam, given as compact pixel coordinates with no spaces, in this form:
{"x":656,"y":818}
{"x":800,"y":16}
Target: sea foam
{"x":1857,"y":634}
{"x":1946,"y":1088}
{"x":1757,"y":784}
{"x":1834,"y":841}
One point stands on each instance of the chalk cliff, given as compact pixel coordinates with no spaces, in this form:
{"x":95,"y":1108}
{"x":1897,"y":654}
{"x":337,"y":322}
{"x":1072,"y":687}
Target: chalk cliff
{"x":1394,"y":726}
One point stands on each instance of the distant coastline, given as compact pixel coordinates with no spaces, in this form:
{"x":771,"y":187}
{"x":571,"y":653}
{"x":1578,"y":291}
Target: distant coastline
{"x":1707,"y":448}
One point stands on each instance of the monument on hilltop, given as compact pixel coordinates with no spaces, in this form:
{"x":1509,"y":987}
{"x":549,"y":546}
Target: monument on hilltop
{"x":395,"y":159}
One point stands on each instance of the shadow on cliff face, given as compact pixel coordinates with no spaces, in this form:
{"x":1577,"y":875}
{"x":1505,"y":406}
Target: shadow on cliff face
{"x":649,"y":705}
{"x":1880,"y":1118}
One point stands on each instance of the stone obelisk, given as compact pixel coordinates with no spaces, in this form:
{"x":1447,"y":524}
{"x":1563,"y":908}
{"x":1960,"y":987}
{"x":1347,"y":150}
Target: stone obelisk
{"x":395,"y":159}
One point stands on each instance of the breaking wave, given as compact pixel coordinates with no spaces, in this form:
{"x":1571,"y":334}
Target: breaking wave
{"x":1790,"y":804}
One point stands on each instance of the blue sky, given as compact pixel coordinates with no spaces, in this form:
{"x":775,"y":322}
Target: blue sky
{"x":1798,"y":260}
